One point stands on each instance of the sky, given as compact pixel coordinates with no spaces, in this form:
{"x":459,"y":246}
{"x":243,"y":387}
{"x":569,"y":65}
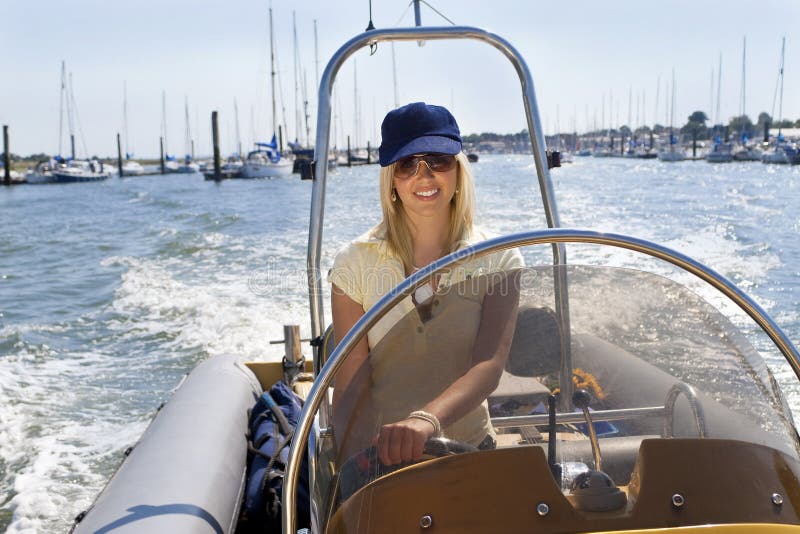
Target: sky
{"x":594,"y":65}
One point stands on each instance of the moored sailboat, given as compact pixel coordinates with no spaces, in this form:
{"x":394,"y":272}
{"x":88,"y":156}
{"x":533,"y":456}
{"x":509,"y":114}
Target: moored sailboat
{"x":267,"y":161}
{"x":780,"y":151}
{"x":672,"y":150}
{"x":67,"y":169}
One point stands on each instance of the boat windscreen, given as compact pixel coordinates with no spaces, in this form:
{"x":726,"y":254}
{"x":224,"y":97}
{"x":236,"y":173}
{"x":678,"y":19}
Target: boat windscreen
{"x":652,"y":358}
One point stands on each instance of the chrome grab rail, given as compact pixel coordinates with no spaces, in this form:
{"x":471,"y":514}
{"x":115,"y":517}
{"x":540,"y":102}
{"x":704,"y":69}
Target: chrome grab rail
{"x":669,"y":409}
{"x":576,"y":417}
{"x":404,"y":289}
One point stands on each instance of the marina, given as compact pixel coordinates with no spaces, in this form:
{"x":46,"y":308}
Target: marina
{"x":611,"y":348}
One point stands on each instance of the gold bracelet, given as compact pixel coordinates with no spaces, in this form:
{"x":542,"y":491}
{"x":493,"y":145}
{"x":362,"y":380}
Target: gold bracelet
{"x":429,"y":417}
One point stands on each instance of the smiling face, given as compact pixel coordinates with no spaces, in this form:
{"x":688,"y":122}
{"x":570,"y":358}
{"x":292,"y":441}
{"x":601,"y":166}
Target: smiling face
{"x":427,"y":193}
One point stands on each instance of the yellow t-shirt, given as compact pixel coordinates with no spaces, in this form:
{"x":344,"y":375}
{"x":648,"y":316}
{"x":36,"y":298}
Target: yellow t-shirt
{"x":414,"y":360}
{"x":366,"y":270}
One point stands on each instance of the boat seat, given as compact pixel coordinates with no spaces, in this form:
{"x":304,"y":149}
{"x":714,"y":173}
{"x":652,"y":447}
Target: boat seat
{"x":535,"y":351}
{"x":523,"y":389}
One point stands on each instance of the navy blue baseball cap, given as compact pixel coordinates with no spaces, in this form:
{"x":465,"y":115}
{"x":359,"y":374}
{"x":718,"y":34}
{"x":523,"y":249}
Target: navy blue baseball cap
{"x":418,"y":128}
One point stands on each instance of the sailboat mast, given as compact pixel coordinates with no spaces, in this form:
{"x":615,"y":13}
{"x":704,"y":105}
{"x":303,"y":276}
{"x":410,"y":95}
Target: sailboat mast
{"x":780,"y":102}
{"x":297,"y":127}
{"x":236,"y":123}
{"x":603,"y":113}
{"x":610,"y":118}
{"x":272,"y":70}
{"x":711,"y":96}
{"x":355,"y":103}
{"x":316,"y":58}
{"x":187,"y":132}
{"x":655,"y":111}
{"x":164,"y":120}
{"x":671,"y":110}
{"x":672,"y":103}
{"x":125,"y":115}
{"x":62,"y":96}
{"x":630,"y":107}
{"x":643,"y":122}
{"x":306,"y":115}
{"x":667,"y":103}
{"x":719,"y":89}
{"x":744,"y":77}
{"x":71,"y":107}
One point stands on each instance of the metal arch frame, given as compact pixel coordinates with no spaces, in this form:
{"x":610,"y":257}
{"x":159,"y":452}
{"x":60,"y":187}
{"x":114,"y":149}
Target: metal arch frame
{"x":408,"y":286}
{"x":323,"y":144}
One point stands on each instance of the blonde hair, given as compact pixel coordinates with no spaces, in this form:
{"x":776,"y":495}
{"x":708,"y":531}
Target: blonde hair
{"x":394,"y":227}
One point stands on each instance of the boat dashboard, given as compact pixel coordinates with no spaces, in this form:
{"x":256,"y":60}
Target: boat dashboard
{"x":675,"y":482}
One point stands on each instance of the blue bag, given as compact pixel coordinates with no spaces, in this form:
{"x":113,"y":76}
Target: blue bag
{"x":272,"y":423}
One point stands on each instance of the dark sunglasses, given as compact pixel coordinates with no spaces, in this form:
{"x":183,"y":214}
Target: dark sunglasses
{"x":408,"y":166}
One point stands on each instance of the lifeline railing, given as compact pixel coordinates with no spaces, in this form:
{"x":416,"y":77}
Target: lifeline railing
{"x":321,"y":174}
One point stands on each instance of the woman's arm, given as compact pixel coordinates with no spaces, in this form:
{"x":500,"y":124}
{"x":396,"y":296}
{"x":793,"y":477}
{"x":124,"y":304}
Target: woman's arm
{"x":346,"y":312}
{"x":404,"y":440}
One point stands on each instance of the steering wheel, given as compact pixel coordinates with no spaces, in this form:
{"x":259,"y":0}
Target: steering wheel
{"x":364,"y":467}
{"x":441,"y":446}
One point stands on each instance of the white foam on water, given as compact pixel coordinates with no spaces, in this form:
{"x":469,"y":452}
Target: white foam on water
{"x":51,"y":438}
{"x":216,"y":307}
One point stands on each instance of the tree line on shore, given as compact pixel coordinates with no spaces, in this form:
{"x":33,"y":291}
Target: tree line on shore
{"x":696,"y":127}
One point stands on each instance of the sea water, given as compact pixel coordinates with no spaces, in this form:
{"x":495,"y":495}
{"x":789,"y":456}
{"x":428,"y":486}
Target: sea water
{"x":111,"y":292}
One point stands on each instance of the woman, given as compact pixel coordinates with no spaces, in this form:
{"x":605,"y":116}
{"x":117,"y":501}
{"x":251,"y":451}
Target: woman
{"x":428,"y":201}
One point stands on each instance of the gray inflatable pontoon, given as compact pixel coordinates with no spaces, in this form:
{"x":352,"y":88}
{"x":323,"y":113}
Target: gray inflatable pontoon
{"x":187,"y":472}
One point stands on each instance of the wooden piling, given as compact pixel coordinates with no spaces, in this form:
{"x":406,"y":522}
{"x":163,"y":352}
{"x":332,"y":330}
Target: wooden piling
{"x":6,"y":156}
{"x":280,"y":138}
{"x":369,"y":155}
{"x":119,"y":156}
{"x":215,"y":141}
{"x":163,"y":166}
{"x":72,"y":145}
{"x":349,"y":156}
{"x":293,"y":354}
{"x":694,"y":143}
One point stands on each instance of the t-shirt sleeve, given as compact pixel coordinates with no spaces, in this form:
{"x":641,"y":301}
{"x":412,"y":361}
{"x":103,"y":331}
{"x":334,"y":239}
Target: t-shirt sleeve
{"x":510,"y":259}
{"x":345,"y":273}
{"x":505,"y":260}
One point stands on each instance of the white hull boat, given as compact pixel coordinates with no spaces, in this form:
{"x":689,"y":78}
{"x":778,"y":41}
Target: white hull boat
{"x":80,"y":171}
{"x":261,"y":170}
{"x":258,"y":166}
{"x":720,"y":153}
{"x":672,"y":155}
{"x":132,"y":168}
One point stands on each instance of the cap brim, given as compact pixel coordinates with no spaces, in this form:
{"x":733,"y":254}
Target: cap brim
{"x":422,"y":145}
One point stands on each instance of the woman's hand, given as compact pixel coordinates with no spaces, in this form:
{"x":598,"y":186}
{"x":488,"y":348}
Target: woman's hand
{"x":403,"y":441}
